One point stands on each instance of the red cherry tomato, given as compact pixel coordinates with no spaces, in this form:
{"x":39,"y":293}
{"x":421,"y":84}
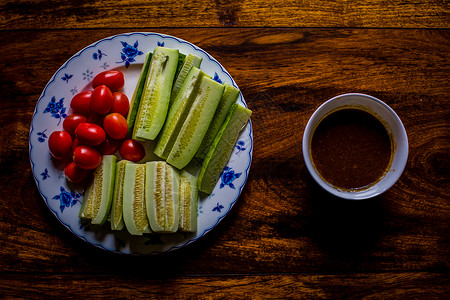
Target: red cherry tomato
{"x":132,"y":150}
{"x":113,"y":79}
{"x":81,"y":103}
{"x":75,"y":143}
{"x":72,"y":121}
{"x":109,"y":146}
{"x":86,"y":157}
{"x":75,"y":174}
{"x":60,"y":144}
{"x":115,"y":126}
{"x":90,"y":134}
{"x":96,"y":119}
{"x":101,"y":100}
{"x":121,"y":104}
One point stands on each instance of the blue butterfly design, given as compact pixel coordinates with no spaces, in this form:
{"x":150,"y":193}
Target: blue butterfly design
{"x":66,"y":77}
{"x":216,"y":78}
{"x":218,"y":208}
{"x":45,"y":174}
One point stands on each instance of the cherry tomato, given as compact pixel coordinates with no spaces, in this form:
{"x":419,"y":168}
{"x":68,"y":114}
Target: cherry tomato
{"x":132,"y":150}
{"x":121,"y":104}
{"x":113,"y":79}
{"x":75,"y":174}
{"x":81,"y":103}
{"x":109,"y":146}
{"x":75,"y":143}
{"x":90,"y":134}
{"x":86,"y":157}
{"x":60,"y":144}
{"x":72,"y":121}
{"x":115,"y":126}
{"x":96,"y":119}
{"x":101,"y":100}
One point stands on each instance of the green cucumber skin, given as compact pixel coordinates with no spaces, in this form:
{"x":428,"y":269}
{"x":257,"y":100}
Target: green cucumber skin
{"x":181,"y":60}
{"x":230,"y":95}
{"x":108,"y":169}
{"x":118,"y":195}
{"x":178,"y":113}
{"x":188,"y":200}
{"x":156,"y":96}
{"x":197,"y":122}
{"x":190,"y":62}
{"x":220,"y":151}
{"x":137,"y":95}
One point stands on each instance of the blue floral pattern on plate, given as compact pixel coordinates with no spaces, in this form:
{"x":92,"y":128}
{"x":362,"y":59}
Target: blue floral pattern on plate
{"x":64,"y":199}
{"x":42,"y":136}
{"x":67,"y":199}
{"x":240,"y":146}
{"x":98,"y":55}
{"x":56,"y":109}
{"x":228,"y":176}
{"x":129,"y":53}
{"x":88,"y":75}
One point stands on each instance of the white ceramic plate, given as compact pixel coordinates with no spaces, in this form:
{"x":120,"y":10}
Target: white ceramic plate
{"x":125,"y":52}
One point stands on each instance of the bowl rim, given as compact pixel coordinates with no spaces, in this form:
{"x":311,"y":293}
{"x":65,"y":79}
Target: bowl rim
{"x":387,"y":181}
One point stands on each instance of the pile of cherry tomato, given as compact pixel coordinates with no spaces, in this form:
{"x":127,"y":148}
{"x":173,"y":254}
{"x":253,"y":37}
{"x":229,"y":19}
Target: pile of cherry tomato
{"x":96,"y":127}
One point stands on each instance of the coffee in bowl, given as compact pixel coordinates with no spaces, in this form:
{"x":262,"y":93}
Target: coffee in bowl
{"x":355,"y":146}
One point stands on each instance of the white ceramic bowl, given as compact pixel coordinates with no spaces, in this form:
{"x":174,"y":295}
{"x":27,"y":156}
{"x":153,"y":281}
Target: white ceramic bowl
{"x":389,"y":119}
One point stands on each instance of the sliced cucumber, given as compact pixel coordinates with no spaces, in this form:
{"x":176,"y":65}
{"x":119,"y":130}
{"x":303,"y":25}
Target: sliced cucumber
{"x":181,"y":59}
{"x":87,"y":207}
{"x":220,"y":151}
{"x":188,"y":202}
{"x":137,"y":95}
{"x":154,"y":194}
{"x":117,"y":204}
{"x":178,"y":113}
{"x":229,"y":97}
{"x":191,"y":60}
{"x":134,"y":209}
{"x":98,"y":196}
{"x":156,"y":96}
{"x":197,"y":122}
{"x":161,"y":194}
{"x":171,"y":199}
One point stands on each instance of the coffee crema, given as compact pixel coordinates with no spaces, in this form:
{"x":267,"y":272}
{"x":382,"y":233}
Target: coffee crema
{"x":351,"y":149}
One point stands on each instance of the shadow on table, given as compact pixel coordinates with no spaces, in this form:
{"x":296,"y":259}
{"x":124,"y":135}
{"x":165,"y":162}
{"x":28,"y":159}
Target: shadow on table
{"x":344,"y":228}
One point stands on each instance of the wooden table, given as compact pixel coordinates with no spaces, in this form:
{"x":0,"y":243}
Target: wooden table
{"x":285,"y":237}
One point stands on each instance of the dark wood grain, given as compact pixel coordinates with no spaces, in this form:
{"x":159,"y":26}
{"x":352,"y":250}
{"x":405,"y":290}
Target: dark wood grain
{"x":291,"y":286}
{"x":30,"y":14}
{"x":285,"y":237}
